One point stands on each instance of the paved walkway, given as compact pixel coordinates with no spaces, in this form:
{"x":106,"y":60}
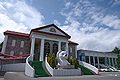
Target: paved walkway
{"x":103,"y":76}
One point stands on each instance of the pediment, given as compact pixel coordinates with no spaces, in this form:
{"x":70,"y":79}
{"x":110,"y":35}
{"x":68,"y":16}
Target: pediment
{"x":52,"y":30}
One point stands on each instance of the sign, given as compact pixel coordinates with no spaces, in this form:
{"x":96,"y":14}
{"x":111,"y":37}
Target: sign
{"x":52,"y":30}
{"x":83,"y":57}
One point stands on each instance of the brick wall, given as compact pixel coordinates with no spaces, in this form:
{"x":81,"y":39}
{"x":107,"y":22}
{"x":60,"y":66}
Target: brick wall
{"x":17,"y":49}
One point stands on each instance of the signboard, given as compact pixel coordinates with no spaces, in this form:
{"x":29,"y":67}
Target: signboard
{"x":82,"y":56}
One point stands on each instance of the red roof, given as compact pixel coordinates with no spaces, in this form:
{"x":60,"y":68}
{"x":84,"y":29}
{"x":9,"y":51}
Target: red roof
{"x":27,"y":35}
{"x":16,"y":34}
{"x":52,"y":25}
{"x":71,"y":42}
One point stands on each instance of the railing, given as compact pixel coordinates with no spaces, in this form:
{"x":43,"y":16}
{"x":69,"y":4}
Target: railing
{"x":11,"y":61}
{"x":89,"y":66}
{"x":62,"y":72}
{"x":49,"y":68}
{"x":29,"y":70}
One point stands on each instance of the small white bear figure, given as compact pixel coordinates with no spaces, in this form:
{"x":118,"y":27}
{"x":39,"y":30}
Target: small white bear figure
{"x":62,"y":56}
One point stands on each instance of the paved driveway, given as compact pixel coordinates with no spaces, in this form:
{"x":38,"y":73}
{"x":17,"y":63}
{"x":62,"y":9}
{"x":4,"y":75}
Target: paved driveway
{"x":103,"y":76}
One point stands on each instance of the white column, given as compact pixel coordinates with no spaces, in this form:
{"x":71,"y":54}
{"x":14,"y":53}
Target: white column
{"x":42,"y":50}
{"x":98,"y":62}
{"x":105,"y":60}
{"x":109,"y":61}
{"x":113,"y":63}
{"x":32,"y":46}
{"x":76,"y":51}
{"x":4,"y":44}
{"x":89,"y":60}
{"x":93,"y":60}
{"x":59,"y":46}
{"x":67,"y":47}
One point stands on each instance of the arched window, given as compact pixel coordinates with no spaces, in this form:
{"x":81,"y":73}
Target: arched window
{"x":55,"y":48}
{"x":21,"y":53}
{"x":22,"y":44}
{"x":13,"y":42}
{"x":11,"y":52}
{"x":46,"y":48}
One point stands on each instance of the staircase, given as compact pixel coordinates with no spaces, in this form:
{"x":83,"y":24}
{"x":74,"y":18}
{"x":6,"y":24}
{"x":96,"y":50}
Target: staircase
{"x":88,"y":69}
{"x":39,"y":70}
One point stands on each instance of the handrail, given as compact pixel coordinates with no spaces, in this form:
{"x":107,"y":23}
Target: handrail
{"x":29,"y":70}
{"x":27,"y":61}
{"x":89,"y":66}
{"x":49,"y":68}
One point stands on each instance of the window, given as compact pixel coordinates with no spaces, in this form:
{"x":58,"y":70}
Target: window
{"x":21,"y":53}
{"x":22,"y":44}
{"x":13,"y":42}
{"x":55,"y":48}
{"x":70,"y":50}
{"x":11,"y":52}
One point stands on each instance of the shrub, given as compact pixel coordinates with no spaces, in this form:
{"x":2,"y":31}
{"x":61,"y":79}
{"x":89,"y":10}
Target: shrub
{"x":69,"y":60}
{"x":75,"y":63}
{"x":52,"y":61}
{"x":49,"y":58}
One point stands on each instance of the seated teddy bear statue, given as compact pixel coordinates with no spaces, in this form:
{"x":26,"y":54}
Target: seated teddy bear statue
{"x":62,"y":56}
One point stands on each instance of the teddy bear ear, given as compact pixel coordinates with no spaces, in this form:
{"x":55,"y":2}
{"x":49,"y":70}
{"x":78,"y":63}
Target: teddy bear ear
{"x":58,"y":53}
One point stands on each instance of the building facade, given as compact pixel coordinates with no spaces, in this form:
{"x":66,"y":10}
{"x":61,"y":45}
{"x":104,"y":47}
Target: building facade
{"x":40,"y":41}
{"x":96,"y":58}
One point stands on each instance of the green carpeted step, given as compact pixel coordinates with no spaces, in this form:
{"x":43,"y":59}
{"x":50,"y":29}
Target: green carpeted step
{"x":39,"y":71}
{"x":86,"y":71}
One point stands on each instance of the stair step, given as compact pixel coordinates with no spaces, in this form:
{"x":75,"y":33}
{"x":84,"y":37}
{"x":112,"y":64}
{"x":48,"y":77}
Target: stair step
{"x":39,"y":70}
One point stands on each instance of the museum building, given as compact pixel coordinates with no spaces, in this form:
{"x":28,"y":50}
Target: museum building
{"x":40,"y":41}
{"x":51,"y":39}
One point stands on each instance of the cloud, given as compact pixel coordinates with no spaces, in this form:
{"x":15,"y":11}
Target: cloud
{"x":91,"y":26}
{"x":108,"y":20}
{"x":56,"y":22}
{"x":67,"y":4}
{"x":115,"y":2}
{"x":18,"y":16}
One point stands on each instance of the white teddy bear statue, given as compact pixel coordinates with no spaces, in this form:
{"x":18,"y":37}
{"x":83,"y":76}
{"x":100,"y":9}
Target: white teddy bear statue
{"x":62,"y":56}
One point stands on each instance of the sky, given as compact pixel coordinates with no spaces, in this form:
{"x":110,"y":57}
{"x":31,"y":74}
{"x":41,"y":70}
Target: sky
{"x":94,"y":24}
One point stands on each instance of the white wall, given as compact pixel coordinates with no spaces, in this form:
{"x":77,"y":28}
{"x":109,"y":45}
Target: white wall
{"x":62,"y":72}
{"x":19,"y":67}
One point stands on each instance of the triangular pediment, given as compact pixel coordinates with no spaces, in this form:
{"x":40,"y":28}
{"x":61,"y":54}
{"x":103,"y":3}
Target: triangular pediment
{"x":51,"y":30}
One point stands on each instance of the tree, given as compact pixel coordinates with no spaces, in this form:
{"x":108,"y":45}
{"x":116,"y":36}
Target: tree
{"x":75,"y":63}
{"x":116,"y":50}
{"x":118,"y":61}
{"x":1,"y":44}
{"x":49,"y":58}
{"x":69,"y":60}
{"x":52,"y":61}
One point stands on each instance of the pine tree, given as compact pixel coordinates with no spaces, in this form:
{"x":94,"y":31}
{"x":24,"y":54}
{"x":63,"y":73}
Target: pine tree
{"x":75,"y":63}
{"x":118,"y":61}
{"x":116,"y":50}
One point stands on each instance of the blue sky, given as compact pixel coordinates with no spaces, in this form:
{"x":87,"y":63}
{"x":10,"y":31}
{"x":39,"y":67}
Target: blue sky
{"x":94,"y":24}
